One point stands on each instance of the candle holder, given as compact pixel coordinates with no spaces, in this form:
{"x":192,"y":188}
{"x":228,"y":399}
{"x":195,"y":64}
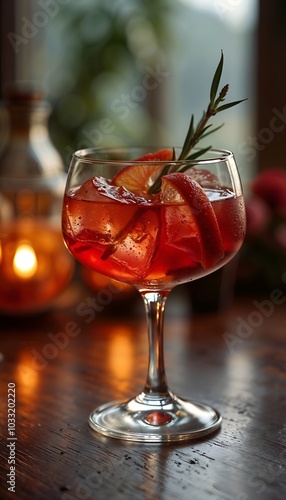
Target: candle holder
{"x":35,"y":267}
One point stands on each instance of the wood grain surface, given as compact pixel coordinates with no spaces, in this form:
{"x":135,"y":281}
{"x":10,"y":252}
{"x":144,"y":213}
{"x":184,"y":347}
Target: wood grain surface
{"x":66,"y":362}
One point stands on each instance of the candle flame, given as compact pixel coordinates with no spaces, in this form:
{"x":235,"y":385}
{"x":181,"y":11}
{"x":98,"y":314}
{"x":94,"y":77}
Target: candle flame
{"x":25,"y":262}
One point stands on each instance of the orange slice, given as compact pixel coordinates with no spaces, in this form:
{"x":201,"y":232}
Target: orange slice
{"x":139,"y":177}
{"x":180,"y":188}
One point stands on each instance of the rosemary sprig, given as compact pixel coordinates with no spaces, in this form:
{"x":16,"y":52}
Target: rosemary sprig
{"x":202,"y":130}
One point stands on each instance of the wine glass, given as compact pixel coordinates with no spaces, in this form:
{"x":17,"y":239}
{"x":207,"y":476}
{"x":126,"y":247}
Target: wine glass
{"x":117,"y":221}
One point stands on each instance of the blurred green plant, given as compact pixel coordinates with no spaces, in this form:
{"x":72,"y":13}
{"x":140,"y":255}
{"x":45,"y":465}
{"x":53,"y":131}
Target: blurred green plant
{"x":111,"y":67}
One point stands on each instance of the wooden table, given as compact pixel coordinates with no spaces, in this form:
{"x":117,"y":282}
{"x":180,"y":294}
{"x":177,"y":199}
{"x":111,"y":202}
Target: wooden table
{"x":235,"y":361}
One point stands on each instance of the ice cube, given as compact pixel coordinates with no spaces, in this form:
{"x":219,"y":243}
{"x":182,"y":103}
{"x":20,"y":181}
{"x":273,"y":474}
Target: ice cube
{"x":179,"y":231}
{"x":135,"y":248}
{"x":205,"y":178}
{"x":99,"y":189}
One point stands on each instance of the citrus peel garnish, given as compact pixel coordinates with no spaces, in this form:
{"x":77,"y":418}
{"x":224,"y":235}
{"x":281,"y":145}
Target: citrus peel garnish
{"x":180,"y":188}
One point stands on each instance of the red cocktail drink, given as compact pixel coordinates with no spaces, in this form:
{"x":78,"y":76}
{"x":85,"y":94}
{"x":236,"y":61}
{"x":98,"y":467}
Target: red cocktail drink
{"x":153,"y":222}
{"x":150,"y":241}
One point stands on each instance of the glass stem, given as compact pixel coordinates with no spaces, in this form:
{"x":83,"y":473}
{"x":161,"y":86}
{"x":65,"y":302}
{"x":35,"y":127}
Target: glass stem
{"x":156,"y":383}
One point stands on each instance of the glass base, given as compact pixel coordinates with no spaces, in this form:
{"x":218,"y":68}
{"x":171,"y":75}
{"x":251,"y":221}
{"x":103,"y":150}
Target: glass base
{"x":149,"y":419}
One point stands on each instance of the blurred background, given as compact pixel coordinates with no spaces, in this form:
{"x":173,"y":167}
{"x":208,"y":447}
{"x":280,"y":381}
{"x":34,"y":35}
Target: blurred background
{"x":107,"y":66}
{"x":133,"y":72}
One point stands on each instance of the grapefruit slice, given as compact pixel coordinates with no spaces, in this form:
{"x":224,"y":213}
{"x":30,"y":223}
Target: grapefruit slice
{"x":180,"y":188}
{"x":160,"y":155}
{"x":139,"y":177}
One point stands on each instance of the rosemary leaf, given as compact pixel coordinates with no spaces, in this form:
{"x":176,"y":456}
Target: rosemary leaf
{"x":203,"y":129}
{"x":229,"y":105}
{"x":216,"y":80}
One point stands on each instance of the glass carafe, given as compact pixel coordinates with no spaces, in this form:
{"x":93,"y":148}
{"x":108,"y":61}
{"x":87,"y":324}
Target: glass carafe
{"x":35,"y":267}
